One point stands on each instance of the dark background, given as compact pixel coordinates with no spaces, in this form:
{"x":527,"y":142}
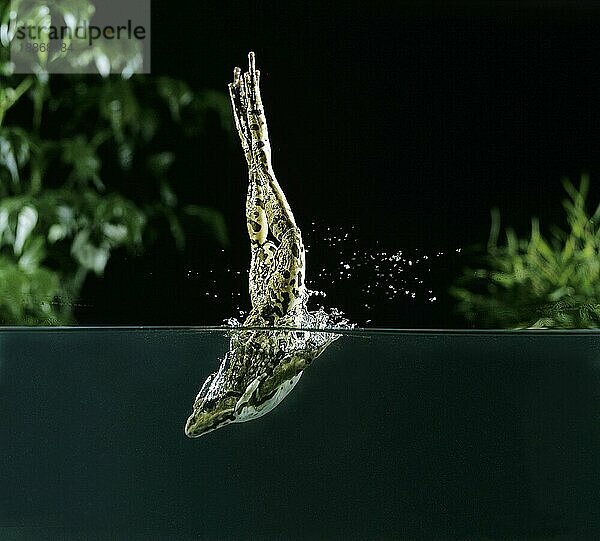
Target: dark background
{"x":401,"y":125}
{"x":405,"y":121}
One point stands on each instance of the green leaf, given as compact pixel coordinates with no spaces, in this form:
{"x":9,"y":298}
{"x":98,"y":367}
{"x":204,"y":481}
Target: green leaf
{"x":33,"y":255}
{"x":212,"y":218}
{"x":57,"y":232}
{"x":116,"y":233}
{"x":63,"y":208}
{"x":82,"y":157}
{"x":211,"y":101}
{"x":549,"y":281}
{"x":14,"y":151}
{"x":26,"y":221}
{"x":176,"y":93}
{"x":4,"y":227}
{"x":87,"y":254}
{"x":176,"y":228}
{"x":167,"y":195}
{"x":159,"y":163}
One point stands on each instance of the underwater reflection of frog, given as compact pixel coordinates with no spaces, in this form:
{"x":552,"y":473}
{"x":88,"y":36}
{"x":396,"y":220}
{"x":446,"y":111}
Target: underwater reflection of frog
{"x":263,"y":365}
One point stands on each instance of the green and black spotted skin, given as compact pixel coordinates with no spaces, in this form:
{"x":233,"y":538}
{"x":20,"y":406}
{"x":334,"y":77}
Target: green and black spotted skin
{"x":262,"y":365}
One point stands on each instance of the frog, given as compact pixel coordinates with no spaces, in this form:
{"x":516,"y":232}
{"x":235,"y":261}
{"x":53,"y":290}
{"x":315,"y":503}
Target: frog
{"x":269,"y":353}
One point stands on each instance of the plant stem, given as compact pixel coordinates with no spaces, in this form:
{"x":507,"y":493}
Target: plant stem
{"x":38,"y":104}
{"x":71,"y":292}
{"x":23,"y":87}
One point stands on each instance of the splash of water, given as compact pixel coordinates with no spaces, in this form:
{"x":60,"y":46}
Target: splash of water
{"x":376,"y":277}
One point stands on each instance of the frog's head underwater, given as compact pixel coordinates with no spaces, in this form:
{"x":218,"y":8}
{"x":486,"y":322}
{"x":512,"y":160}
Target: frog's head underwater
{"x":217,"y":405}
{"x":213,"y":408}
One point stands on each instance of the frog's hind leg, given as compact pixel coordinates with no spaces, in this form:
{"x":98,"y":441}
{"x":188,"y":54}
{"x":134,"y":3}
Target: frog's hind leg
{"x":286,"y":288}
{"x":256,"y":213}
{"x":279,"y":213}
{"x":277,"y":269}
{"x":284,"y":283}
{"x":239,"y":104}
{"x":262,"y":250}
{"x":260,"y":145}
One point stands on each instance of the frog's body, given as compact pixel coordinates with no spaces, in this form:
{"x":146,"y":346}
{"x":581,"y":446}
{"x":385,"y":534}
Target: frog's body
{"x":262,"y":365}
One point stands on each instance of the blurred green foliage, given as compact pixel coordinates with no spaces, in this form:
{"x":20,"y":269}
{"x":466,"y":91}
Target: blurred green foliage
{"x":550,"y":282}
{"x":85,"y":165}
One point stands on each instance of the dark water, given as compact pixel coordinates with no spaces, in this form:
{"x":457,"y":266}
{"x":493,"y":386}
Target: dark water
{"x":388,"y":435}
